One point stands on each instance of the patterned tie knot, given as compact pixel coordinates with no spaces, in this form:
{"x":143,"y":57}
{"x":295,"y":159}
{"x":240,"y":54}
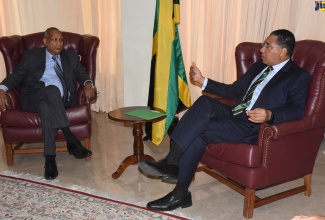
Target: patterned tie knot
{"x":54,"y":58}
{"x":269,"y":68}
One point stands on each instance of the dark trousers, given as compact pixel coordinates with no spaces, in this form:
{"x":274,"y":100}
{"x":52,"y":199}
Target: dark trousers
{"x":208,"y":121}
{"x":47,"y":102}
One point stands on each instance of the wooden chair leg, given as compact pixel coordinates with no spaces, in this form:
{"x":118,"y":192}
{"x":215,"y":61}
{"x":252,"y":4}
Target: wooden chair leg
{"x":9,"y":154}
{"x":249,"y":203}
{"x":307,"y":183}
{"x":87,"y":145}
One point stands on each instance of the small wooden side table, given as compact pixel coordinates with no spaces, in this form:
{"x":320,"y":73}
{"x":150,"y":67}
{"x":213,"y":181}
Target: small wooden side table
{"x":138,"y":152}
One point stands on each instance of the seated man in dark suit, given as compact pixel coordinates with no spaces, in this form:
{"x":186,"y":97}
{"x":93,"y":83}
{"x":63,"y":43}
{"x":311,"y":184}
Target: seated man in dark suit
{"x":49,"y":75}
{"x":273,"y":90}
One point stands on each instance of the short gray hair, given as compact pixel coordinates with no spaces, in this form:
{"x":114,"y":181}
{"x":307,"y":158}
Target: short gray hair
{"x":48,"y":31}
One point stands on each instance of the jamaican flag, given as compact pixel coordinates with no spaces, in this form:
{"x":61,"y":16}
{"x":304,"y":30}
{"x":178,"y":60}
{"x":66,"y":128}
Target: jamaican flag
{"x":168,"y":89}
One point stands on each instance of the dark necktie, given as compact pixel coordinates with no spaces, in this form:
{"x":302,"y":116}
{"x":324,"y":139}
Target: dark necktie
{"x":248,"y":98}
{"x":59,"y":72}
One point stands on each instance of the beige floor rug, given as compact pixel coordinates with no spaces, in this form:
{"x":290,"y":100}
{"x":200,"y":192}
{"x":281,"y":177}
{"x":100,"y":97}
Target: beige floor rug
{"x":24,"y":196}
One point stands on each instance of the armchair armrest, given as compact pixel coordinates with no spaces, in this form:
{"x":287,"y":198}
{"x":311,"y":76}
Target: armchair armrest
{"x":13,"y":98}
{"x":286,"y":128}
{"x":286,"y":154}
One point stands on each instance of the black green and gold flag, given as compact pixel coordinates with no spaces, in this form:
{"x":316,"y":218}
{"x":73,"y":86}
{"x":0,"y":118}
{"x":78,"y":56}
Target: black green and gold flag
{"x":168,"y":88}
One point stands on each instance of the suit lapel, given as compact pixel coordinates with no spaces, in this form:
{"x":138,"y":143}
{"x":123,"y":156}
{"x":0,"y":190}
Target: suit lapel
{"x":42,"y":58}
{"x":253,"y":72}
{"x":64,"y":62}
{"x":281,"y":73}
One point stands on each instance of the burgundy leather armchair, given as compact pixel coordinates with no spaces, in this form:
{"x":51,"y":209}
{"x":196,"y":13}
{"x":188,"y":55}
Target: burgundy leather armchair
{"x":19,"y":127}
{"x":285,"y":151}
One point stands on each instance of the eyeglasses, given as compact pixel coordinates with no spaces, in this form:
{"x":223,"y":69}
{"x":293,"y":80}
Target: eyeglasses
{"x":268,"y":46}
{"x":56,"y":40}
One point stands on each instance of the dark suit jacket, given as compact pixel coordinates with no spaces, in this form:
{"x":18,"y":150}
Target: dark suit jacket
{"x":285,"y":94}
{"x":31,"y":69}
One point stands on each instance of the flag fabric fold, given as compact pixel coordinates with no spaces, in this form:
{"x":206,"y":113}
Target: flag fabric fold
{"x":168,"y":87}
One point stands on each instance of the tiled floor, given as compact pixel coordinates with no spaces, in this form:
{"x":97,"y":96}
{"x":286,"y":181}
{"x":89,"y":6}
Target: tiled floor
{"x":112,"y":142}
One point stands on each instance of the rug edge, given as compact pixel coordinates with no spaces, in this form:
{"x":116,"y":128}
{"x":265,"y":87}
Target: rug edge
{"x":75,"y":189}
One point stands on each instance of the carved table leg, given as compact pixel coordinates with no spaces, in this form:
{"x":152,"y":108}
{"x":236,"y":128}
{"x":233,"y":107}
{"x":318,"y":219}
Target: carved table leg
{"x":138,"y":152}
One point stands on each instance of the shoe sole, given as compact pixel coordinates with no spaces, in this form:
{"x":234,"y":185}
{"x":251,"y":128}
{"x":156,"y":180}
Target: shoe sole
{"x":167,"y":179}
{"x":82,"y":157}
{"x":77,"y":157}
{"x":148,"y":170}
{"x":183,"y":206}
{"x":50,"y":178}
{"x":152,"y":172}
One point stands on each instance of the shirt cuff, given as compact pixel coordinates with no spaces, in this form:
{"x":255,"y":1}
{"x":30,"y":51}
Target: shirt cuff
{"x":4,"y":88}
{"x":204,"y":83}
{"x":92,"y":84}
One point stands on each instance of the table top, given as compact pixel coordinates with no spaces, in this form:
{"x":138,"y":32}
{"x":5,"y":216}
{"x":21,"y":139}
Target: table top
{"x":119,"y":115}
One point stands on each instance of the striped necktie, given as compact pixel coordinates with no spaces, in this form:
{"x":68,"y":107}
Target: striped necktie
{"x":59,"y":72}
{"x":248,"y":97}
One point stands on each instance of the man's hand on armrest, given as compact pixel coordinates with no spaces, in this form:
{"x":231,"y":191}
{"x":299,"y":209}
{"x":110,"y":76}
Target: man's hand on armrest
{"x":4,"y":102}
{"x":259,"y":115}
{"x":89,"y":91}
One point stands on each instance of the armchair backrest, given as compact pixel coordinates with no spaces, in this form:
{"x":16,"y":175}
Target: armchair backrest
{"x":13,"y":47}
{"x":308,"y":54}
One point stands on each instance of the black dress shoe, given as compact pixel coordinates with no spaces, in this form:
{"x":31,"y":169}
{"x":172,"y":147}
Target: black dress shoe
{"x":51,"y":170}
{"x":170,"y":202}
{"x":169,"y":179}
{"x":78,"y":151}
{"x":157,"y":169}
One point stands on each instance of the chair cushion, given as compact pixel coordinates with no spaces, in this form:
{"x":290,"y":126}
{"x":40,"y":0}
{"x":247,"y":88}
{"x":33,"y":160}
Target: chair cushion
{"x":34,"y":134}
{"x":248,"y":155}
{"x":21,"y":119}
